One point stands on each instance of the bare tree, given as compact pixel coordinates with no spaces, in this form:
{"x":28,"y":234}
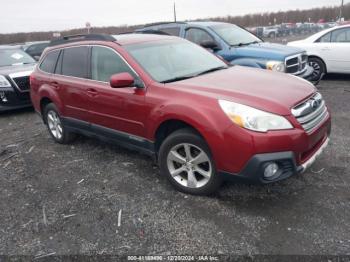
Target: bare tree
{"x":326,"y":13}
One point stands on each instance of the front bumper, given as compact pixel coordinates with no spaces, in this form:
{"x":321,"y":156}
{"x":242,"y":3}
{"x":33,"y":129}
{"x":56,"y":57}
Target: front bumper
{"x":254,"y":170}
{"x":10,"y":108}
{"x":11,"y":100}
{"x":306,"y":74}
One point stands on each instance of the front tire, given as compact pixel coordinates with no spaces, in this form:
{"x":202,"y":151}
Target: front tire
{"x":186,"y":161}
{"x":55,"y":125}
{"x":319,"y":68}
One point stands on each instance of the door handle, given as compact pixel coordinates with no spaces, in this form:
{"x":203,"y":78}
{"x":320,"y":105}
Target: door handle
{"x":55,"y":85}
{"x":92,"y":92}
{"x":326,"y":49}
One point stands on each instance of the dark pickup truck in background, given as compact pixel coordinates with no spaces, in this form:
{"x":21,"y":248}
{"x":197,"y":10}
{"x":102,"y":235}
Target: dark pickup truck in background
{"x":35,"y":49}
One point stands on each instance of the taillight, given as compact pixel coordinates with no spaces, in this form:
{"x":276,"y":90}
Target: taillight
{"x":31,"y":78}
{"x":31,"y":81}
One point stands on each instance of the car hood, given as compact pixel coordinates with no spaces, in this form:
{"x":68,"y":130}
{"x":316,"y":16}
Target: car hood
{"x":268,"y":51}
{"x":297,"y":43}
{"x":269,"y":91}
{"x":7,"y":70}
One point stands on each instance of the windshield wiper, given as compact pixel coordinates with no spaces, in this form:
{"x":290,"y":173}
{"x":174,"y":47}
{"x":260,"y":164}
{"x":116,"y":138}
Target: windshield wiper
{"x":250,"y":43}
{"x":191,"y":76}
{"x":212,"y":70}
{"x":176,"y":79}
{"x":254,"y":42}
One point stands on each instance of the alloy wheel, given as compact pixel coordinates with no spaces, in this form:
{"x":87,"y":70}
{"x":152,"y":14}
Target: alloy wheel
{"x":317,"y":69}
{"x":55,"y":125}
{"x":189,"y":165}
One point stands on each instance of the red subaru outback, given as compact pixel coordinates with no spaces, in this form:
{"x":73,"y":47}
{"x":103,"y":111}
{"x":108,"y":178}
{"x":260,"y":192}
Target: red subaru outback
{"x":164,"y":96}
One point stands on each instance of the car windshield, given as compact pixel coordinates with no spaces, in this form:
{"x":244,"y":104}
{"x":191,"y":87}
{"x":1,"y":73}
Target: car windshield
{"x":235,"y":35}
{"x":9,"y":57}
{"x":171,"y":61}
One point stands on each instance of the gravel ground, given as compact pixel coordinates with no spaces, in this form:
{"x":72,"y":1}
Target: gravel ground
{"x":66,"y":199}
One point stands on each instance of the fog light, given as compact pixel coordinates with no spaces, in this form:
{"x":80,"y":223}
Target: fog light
{"x":271,"y":170}
{"x":3,"y":97}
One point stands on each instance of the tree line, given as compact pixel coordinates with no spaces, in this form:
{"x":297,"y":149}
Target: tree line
{"x":263,"y":19}
{"x":329,"y":14}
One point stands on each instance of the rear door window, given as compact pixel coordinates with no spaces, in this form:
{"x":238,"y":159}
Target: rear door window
{"x":49,"y":63}
{"x":75,"y":62}
{"x":341,"y":36}
{"x":175,"y":31}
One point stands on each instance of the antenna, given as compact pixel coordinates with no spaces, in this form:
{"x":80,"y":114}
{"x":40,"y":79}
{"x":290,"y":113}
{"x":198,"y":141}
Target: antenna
{"x":175,"y":12}
{"x":341,"y":11}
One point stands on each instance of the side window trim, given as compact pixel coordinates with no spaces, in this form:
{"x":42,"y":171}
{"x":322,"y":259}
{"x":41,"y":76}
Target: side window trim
{"x":60,"y":55}
{"x":89,"y":75}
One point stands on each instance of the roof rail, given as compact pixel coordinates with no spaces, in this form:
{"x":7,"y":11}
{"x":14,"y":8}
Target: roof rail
{"x":125,"y":33}
{"x":163,"y":23}
{"x":77,"y":38}
{"x":151,"y":31}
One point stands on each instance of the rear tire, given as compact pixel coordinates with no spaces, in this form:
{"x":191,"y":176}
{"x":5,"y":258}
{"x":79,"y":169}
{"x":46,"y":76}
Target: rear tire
{"x":186,"y":161}
{"x":319,"y":68}
{"x":54,"y":123}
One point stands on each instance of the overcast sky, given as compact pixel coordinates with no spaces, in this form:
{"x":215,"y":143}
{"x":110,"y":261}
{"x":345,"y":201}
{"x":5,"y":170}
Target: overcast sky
{"x":47,"y":15}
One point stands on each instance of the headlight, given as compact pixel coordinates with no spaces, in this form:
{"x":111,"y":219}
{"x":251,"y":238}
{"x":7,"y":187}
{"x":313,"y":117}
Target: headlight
{"x":276,"y":66}
{"x":253,"y":119}
{"x":4,"y":82}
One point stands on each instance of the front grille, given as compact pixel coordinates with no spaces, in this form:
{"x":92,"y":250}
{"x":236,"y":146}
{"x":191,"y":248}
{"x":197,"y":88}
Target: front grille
{"x":296,"y":64}
{"x":22,"y":83}
{"x":311,"y":113}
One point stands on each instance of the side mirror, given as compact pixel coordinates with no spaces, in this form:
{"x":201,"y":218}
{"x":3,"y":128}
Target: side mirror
{"x":121,"y":80}
{"x":210,"y":45}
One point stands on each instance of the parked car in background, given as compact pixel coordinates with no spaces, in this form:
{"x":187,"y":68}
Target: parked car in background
{"x":331,"y":24}
{"x":15,"y":68}
{"x":329,"y":50}
{"x":344,"y":23}
{"x":286,"y":29}
{"x":238,"y":46}
{"x":258,"y":31}
{"x":35,"y":49}
{"x":167,"y":97}
{"x":270,"y":31}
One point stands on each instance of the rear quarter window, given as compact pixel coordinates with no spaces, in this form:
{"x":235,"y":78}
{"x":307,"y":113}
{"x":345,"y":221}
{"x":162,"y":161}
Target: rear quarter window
{"x":49,"y":63}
